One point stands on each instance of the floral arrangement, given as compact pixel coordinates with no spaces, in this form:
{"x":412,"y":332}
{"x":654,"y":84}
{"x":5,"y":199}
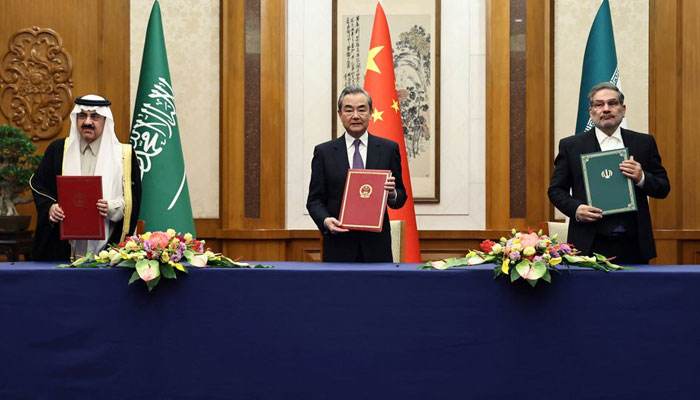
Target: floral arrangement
{"x":157,"y":254}
{"x":529,"y":255}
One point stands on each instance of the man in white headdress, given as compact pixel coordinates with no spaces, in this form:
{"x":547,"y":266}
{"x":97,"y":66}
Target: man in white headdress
{"x":92,"y":148}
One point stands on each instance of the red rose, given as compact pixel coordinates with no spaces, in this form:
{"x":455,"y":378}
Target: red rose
{"x":487,"y":246}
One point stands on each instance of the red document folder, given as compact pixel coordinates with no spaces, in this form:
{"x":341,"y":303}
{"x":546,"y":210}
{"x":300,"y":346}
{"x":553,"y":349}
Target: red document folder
{"x":364,"y":200}
{"x":77,"y":196}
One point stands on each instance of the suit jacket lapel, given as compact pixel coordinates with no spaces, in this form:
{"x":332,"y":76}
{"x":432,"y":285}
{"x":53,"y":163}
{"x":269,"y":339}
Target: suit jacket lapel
{"x":628,"y":141}
{"x":341,"y":153}
{"x":374,"y":152}
{"x":590,"y":144}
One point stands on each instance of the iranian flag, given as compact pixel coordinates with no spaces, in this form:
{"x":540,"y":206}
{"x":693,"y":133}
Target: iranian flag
{"x":599,"y":63}
{"x":165,"y":202}
{"x":386,"y":120}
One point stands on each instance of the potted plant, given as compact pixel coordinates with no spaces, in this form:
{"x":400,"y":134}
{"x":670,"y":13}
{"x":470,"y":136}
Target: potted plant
{"x":17,"y":164}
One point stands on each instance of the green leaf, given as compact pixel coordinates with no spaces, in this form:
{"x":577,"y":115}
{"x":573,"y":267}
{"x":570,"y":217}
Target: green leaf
{"x":456,"y":262}
{"x":168,"y":271}
{"x":572,"y":259}
{"x":128,"y":263}
{"x":134,"y":277}
{"x":497,"y":272}
{"x":81,"y":260}
{"x":547,"y":277}
{"x":599,"y":257}
{"x":152,"y":283}
{"x":514,"y":275}
{"x":532,"y":282}
{"x":64,"y":266}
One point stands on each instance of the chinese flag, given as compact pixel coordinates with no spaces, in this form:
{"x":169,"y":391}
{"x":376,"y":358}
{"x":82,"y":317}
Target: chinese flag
{"x":386,"y":120}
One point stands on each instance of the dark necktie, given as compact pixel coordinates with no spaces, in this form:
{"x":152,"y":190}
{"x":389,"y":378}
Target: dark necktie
{"x":357,"y":158}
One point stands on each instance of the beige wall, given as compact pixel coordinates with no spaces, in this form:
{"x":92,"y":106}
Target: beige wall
{"x":462,"y":113}
{"x":191,"y":29}
{"x":572,"y":23}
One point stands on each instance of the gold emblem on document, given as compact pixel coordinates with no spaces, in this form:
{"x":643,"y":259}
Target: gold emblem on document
{"x":606,"y":173}
{"x":365,"y":191}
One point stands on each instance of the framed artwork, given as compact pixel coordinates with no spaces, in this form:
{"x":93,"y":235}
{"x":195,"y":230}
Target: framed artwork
{"x":415,"y":32}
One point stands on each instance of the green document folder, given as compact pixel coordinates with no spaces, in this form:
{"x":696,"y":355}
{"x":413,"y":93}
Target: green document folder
{"x":606,"y":187}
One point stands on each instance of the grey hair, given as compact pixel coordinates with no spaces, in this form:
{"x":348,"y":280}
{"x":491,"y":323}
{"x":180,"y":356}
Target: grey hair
{"x":353,"y":90}
{"x":602,"y":86}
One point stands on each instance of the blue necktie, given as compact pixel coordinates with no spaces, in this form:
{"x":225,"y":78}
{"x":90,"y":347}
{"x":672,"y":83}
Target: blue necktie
{"x":357,"y":158}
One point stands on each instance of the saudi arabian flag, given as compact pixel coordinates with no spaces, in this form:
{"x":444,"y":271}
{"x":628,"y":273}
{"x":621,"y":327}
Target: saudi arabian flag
{"x":165,"y":202}
{"x":599,"y":63}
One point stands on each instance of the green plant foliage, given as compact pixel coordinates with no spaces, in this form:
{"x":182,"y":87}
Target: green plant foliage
{"x":17,"y":164}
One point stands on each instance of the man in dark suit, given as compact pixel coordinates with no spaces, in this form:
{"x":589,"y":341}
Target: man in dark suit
{"x":628,"y":236}
{"x":331,"y":161}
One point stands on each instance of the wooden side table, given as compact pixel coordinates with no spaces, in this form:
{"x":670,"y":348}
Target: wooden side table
{"x":12,"y":244}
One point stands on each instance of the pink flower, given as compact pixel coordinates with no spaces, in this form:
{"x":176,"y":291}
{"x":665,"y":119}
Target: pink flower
{"x":529,"y":240}
{"x":199,"y":260}
{"x":147,"y":273}
{"x":159,"y":239}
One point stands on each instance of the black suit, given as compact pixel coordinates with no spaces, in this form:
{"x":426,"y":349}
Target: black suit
{"x":567,"y":176}
{"x":328,"y":171}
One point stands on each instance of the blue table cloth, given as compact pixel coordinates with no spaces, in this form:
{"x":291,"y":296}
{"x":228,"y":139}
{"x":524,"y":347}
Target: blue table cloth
{"x":348,"y":331}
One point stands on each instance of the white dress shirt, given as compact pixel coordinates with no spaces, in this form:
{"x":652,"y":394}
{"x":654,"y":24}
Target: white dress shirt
{"x":613,"y":142}
{"x":350,"y":145}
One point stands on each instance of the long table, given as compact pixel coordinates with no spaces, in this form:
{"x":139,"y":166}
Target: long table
{"x":348,"y":331}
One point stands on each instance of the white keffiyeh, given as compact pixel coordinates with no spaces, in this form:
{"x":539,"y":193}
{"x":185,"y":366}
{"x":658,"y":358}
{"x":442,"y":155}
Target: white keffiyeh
{"x":108,"y":164}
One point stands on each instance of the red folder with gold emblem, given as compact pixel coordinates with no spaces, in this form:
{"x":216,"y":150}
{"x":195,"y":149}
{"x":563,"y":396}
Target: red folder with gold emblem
{"x":77,"y":196}
{"x":364,"y":200}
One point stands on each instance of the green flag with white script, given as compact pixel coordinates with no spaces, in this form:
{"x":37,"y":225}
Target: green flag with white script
{"x":165,"y":202}
{"x":599,"y":63}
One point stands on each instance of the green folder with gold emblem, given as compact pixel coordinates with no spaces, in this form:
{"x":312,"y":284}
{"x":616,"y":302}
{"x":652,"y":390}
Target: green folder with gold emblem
{"x":606,"y":187}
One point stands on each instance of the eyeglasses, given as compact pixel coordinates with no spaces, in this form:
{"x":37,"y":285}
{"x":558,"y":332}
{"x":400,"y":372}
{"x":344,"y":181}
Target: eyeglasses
{"x":601,"y":104}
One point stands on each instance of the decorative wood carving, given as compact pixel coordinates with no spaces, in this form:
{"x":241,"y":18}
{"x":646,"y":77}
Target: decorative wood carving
{"x":35,"y":82}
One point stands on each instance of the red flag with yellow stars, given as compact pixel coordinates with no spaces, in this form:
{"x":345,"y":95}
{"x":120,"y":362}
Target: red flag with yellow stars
{"x":386,"y":120}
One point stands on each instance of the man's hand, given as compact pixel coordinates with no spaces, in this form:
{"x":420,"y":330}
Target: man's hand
{"x":102,"y":207}
{"x":390,"y":185}
{"x":56,"y":213}
{"x":586,"y":213}
{"x":333,"y":225}
{"x":631,"y":169}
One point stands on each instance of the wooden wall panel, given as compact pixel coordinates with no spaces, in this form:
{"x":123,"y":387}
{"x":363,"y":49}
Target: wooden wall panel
{"x":96,"y":35}
{"x":539,"y":113}
{"x":272,"y":116}
{"x":690,"y":120}
{"x":232,"y":114}
{"x":691,"y":252}
{"x":497,"y":112}
{"x":674,"y":98}
{"x":665,"y":113}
